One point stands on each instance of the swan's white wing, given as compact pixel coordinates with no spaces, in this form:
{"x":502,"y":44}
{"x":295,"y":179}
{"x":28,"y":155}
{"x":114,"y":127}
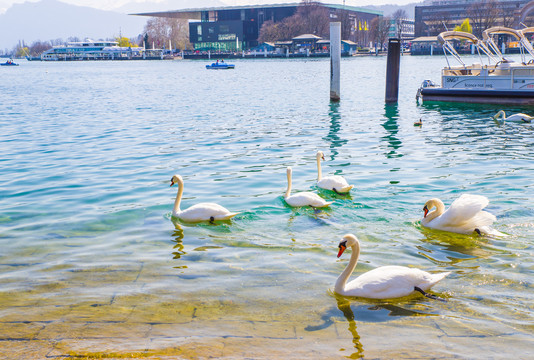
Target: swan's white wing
{"x":388,"y":282}
{"x":306,"y":199}
{"x":204,"y":211}
{"x":520,"y":117}
{"x":330,"y":182}
{"x":464,"y":209}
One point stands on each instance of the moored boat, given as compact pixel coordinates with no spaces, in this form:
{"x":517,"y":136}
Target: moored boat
{"x":500,"y":81}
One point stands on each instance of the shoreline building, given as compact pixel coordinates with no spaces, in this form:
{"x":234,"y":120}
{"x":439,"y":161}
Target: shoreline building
{"x":436,"y":16}
{"x":237,"y":28}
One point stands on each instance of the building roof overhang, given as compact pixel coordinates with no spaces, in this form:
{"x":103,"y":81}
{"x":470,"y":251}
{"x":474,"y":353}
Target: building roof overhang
{"x":196,"y":13}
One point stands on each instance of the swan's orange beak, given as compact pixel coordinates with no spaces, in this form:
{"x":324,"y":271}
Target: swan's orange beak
{"x":425,"y":209}
{"x":342,"y":248}
{"x":323,"y":158}
{"x":172,"y":182}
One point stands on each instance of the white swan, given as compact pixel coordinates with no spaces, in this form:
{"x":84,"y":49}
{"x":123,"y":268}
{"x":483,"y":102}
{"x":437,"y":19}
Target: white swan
{"x":199,"y":212}
{"x":335,"y":183}
{"x":519,"y":117}
{"x":464,"y":216}
{"x":302,"y":198}
{"x":385,"y":282}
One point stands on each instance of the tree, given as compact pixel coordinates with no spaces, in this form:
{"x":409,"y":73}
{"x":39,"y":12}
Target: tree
{"x":162,"y":30}
{"x":399,"y":16}
{"x":379,"y":30}
{"x":38,"y":47}
{"x":438,"y":22}
{"x":483,"y":15}
{"x":124,"y":42}
{"x":465,"y":27}
{"x":310,"y":18}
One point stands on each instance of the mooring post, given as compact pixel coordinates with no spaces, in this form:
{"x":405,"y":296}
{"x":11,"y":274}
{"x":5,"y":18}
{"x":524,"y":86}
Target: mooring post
{"x":335,"y":60}
{"x":392,"y":71}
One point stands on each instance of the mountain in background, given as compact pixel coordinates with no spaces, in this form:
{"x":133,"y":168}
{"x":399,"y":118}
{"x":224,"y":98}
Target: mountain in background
{"x":153,"y":6}
{"x":388,"y":10}
{"x":51,"y":19}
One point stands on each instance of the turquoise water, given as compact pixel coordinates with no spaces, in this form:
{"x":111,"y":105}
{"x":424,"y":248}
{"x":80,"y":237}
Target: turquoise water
{"x":92,"y":265}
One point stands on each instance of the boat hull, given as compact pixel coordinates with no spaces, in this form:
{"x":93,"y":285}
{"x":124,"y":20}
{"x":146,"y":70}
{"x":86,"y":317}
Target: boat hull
{"x":482,"y":96}
{"x":220,"y":66}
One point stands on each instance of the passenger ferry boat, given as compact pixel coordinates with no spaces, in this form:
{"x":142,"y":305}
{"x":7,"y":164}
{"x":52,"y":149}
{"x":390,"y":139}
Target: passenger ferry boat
{"x":98,"y":50}
{"x":501,"y":81}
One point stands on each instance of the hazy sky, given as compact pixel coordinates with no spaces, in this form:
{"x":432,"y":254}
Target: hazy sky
{"x":110,"y":5}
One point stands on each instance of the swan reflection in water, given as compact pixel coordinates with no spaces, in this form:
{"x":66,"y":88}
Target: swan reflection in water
{"x":372,"y":312}
{"x":178,"y":236}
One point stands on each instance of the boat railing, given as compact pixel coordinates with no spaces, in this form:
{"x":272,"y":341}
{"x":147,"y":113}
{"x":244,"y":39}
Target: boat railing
{"x":475,"y":69}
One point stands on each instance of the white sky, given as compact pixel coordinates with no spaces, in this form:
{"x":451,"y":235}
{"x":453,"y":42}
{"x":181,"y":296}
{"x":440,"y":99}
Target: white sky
{"x":110,"y":5}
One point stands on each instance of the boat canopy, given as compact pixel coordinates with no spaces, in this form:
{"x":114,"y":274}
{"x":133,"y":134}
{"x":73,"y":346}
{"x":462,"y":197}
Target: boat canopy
{"x":517,"y":34}
{"x":457,"y":35}
{"x":500,"y":30}
{"x":446,"y":37}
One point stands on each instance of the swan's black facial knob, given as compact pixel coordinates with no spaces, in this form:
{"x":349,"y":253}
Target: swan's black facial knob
{"x":342,"y":247}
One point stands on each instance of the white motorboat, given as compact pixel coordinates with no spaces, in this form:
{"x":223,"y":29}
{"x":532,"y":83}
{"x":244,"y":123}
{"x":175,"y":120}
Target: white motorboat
{"x":500,"y":81}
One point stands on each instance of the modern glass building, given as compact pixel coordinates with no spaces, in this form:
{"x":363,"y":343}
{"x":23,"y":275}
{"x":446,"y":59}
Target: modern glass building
{"x":235,"y":28}
{"x":437,"y":16}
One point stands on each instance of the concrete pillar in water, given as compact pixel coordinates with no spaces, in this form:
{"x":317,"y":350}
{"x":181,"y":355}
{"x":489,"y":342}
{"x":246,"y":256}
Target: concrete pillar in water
{"x":392,"y":71}
{"x":431,"y":49}
{"x":335,"y":61}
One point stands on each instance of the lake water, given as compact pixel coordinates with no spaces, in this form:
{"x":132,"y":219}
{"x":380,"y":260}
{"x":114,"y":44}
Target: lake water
{"x":92,"y":265}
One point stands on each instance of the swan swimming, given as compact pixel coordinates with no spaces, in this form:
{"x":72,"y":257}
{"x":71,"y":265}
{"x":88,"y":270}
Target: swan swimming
{"x":519,"y":117}
{"x":385,"y":282}
{"x":464,"y":216}
{"x":199,"y":212}
{"x":302,"y":198}
{"x":335,"y":183}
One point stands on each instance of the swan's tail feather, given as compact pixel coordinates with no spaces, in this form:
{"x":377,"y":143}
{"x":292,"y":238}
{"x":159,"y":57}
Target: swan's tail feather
{"x":487,"y":230}
{"x":226,"y":216}
{"x":346,"y":189}
{"x":437,"y":278}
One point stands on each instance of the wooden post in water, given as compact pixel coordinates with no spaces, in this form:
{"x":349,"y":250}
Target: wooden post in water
{"x":335,"y":61}
{"x":392,"y":71}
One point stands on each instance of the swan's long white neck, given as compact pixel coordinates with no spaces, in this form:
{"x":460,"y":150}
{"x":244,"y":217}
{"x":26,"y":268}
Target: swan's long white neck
{"x":288,"y":191}
{"x":500,"y":114}
{"x":319,"y":172}
{"x":342,"y":279}
{"x":440,"y":208}
{"x":176,"y":209}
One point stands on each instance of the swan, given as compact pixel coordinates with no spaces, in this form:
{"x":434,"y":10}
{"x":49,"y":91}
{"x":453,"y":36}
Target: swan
{"x":520,"y":117}
{"x":199,"y":212}
{"x":336,"y":183}
{"x":464,"y":216}
{"x":385,"y":282}
{"x":302,"y":198}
